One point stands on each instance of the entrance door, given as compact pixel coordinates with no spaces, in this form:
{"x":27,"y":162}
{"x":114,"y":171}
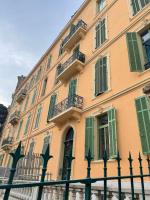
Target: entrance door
{"x":68,"y":145}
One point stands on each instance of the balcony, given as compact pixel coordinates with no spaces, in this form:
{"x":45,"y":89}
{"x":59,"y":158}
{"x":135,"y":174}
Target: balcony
{"x":21,"y":96}
{"x":7,"y":143}
{"x":72,"y":66}
{"x":75,"y":35}
{"x":69,"y":108}
{"x":14,"y":118}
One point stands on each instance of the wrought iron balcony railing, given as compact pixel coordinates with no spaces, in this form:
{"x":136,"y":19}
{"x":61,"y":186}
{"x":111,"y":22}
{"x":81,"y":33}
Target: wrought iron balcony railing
{"x":73,"y":101}
{"x":21,"y":95}
{"x":14,"y":118}
{"x":80,"y":24}
{"x":7,"y":141}
{"x":78,"y":55}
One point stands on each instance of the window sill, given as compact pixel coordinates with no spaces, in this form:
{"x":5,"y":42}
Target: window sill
{"x":145,"y":71}
{"x":96,"y":97}
{"x":100,"y":11}
{"x":96,"y":49}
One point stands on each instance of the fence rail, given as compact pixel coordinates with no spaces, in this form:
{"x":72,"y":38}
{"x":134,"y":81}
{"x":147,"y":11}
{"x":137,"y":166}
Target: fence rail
{"x":63,"y":189}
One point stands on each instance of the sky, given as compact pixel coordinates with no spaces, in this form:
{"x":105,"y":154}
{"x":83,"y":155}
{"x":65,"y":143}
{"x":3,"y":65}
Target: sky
{"x":27,"y":29}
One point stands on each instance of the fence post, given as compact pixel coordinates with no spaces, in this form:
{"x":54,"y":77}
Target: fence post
{"x":105,"y":159}
{"x":15,"y":156}
{"x":131,"y":175}
{"x":88,"y":185}
{"x":70,"y":159}
{"x":142,"y":179}
{"x":46,"y":157}
{"x":119,"y":175}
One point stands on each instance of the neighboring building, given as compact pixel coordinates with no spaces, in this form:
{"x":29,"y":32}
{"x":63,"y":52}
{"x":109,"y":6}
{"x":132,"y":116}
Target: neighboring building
{"x":3,"y":116}
{"x":87,"y":92}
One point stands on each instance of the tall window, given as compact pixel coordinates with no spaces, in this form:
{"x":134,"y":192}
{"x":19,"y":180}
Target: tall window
{"x":139,"y":50}
{"x":104,"y":138}
{"x":51,"y":107}
{"x":26,"y":104}
{"x":100,"y":4}
{"x":61,"y":50}
{"x":49,"y":60}
{"x":34,"y":96}
{"x":143,"y":115}
{"x":27,"y":124}
{"x":38,"y":74}
{"x":44,"y":86}
{"x":138,"y":5}
{"x":19,"y":129}
{"x":101,"y":76}
{"x":37,"y":119}
{"x":100,"y":33}
{"x":31,"y":82}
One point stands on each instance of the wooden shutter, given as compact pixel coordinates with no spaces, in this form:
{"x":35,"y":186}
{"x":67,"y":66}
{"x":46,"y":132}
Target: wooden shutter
{"x":44,"y":87}
{"x":112,"y":133}
{"x":26,"y":104}
{"x":144,"y":2}
{"x":89,"y":136}
{"x":101,"y":81}
{"x":34,"y":95}
{"x":135,"y":6}
{"x":27,"y":124}
{"x":19,"y":129}
{"x":134,"y":53}
{"x":49,"y":61}
{"x":97,"y":36}
{"x":72,"y":87}
{"x":51,"y":106}
{"x":103,"y":31}
{"x":143,"y":116}
{"x":38,"y":117}
{"x":45,"y":144}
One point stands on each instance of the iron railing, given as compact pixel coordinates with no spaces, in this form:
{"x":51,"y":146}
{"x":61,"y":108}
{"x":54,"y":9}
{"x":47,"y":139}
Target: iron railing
{"x":87,"y":182}
{"x":7,"y":141}
{"x":72,"y":101}
{"x":15,"y":116}
{"x":76,"y":56}
{"x":80,"y":24}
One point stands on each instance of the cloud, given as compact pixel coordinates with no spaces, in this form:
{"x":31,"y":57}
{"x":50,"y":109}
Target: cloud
{"x":14,"y":60}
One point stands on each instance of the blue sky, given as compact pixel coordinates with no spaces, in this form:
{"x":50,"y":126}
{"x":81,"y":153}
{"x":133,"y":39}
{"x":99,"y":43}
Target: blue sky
{"x":27,"y":28}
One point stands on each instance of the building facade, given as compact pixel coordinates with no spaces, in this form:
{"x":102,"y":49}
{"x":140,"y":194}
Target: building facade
{"x":90,"y":90}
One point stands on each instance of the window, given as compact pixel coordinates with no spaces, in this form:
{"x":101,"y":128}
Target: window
{"x":31,"y":82}
{"x":26,"y":104}
{"x":103,"y":137}
{"x":101,"y":76}
{"x":51,"y":107}
{"x":100,"y":4}
{"x":27,"y":124}
{"x":31,"y":148}
{"x":49,"y":60}
{"x":1,"y":159}
{"x":143,"y":115}
{"x":45,"y":144}
{"x":61,"y":50}
{"x":44,"y":86}
{"x":38,"y":115}
{"x":139,"y":50}
{"x":100,"y":33}
{"x":138,"y":5}
{"x":72,"y":90}
{"x":19,"y":129}
{"x":34,"y":96}
{"x":38,"y":74}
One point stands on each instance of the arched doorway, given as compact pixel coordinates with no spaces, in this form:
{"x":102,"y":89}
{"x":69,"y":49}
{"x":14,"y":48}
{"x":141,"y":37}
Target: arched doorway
{"x":68,"y":146}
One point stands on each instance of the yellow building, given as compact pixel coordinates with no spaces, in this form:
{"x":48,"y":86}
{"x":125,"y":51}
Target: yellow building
{"x":86,"y":92}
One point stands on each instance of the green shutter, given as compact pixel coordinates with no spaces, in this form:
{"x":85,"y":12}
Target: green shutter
{"x":89,"y":136}
{"x":45,"y":144}
{"x":19,"y":129}
{"x":135,"y":6}
{"x":144,"y":3}
{"x":72,"y":88}
{"x":143,"y":115}
{"x":26,"y":104}
{"x":51,"y":107}
{"x":134,"y":53}
{"x":38,"y":117}
{"x":112,"y":133}
{"x":97,"y":36}
{"x":27,"y":124}
{"x":49,"y":61}
{"x":33,"y":97}
{"x":101,"y":82}
{"x":103,"y":31}
{"x":31,"y":148}
{"x":44,"y":87}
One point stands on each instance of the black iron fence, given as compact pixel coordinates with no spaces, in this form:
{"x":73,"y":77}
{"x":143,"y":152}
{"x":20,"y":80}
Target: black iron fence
{"x":77,"y":55}
{"x":87,"y":182}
